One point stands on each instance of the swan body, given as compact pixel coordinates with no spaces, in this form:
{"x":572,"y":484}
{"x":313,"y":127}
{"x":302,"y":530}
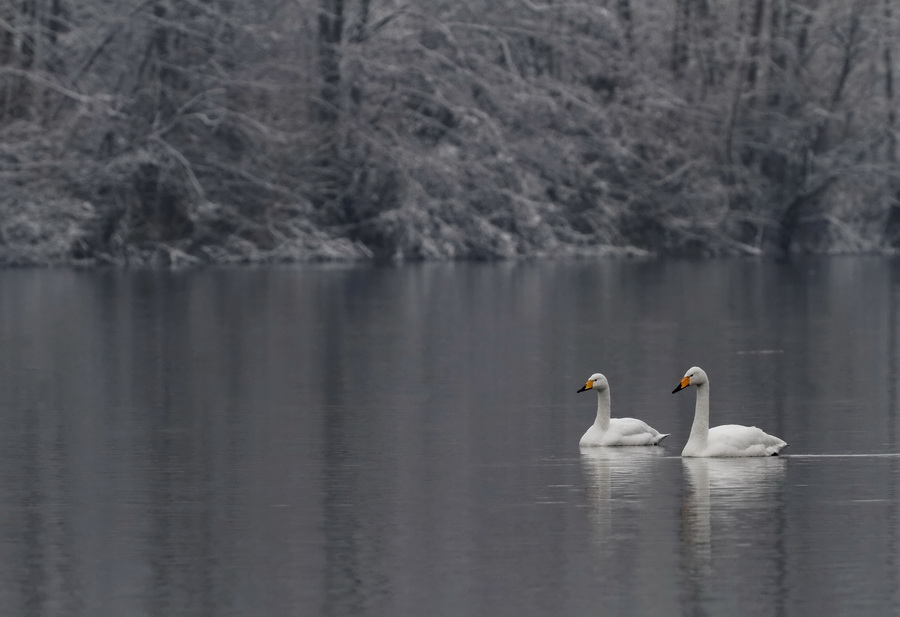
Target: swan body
{"x":608,"y":431}
{"x":725,"y":440}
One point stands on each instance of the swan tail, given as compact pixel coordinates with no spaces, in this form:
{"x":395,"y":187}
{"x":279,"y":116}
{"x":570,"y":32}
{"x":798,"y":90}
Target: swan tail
{"x":776,"y":450}
{"x":660,"y":437}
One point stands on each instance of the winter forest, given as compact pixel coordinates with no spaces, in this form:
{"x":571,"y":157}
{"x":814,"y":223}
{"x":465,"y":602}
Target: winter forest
{"x":174,"y":132}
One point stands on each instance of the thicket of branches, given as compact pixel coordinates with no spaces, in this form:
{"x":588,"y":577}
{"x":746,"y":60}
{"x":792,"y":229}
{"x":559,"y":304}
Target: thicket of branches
{"x":189,"y":131}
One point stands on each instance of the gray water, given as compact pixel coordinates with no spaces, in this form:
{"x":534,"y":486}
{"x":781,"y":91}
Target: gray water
{"x":403,"y":441}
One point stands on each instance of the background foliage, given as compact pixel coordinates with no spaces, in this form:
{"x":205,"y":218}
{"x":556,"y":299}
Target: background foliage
{"x":190,"y":131}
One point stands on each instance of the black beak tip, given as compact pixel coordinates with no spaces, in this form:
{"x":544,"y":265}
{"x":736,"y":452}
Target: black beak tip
{"x":676,"y":389}
{"x":582,"y":389}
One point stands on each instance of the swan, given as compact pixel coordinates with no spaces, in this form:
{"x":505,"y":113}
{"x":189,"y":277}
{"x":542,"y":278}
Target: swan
{"x":615,"y":431}
{"x":725,"y":440}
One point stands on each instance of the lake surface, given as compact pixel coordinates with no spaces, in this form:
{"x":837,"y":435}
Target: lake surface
{"x":403,"y":441}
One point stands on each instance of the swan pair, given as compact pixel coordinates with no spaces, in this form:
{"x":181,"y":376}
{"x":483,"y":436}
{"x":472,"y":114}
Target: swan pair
{"x":719,"y":441}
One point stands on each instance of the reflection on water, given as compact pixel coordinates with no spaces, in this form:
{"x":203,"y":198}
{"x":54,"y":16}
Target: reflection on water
{"x":628,"y":539}
{"x":735,"y":482}
{"x":615,"y":479}
{"x":731,"y":512}
{"x":623,"y":467}
{"x":404,"y":441}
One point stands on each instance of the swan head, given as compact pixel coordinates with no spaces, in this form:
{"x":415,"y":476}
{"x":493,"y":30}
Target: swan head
{"x":695,"y":376}
{"x":597,"y":382}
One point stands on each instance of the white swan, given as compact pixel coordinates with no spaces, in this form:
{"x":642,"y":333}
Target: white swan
{"x":725,"y":440}
{"x":615,"y":431}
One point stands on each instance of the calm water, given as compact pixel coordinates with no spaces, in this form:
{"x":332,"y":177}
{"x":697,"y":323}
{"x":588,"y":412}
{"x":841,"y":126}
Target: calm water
{"x":380,"y":441}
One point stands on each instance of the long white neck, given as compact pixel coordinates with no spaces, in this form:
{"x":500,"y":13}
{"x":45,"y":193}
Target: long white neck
{"x":700,"y":428}
{"x":603,"y":405}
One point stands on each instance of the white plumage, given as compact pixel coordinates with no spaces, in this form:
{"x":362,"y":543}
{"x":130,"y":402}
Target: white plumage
{"x":725,"y":440}
{"x":608,"y":431}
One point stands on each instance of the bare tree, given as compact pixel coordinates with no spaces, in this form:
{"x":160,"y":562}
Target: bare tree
{"x":330,"y":34}
{"x":210,"y":129}
{"x":29,"y":55}
{"x":892,"y":220}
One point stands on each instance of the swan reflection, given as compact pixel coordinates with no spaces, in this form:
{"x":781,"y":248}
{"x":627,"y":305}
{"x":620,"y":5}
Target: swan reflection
{"x":720,"y":488}
{"x":616,"y":478}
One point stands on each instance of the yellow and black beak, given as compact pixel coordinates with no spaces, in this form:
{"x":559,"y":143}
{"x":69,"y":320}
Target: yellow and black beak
{"x":588,"y":386}
{"x":684,"y":383}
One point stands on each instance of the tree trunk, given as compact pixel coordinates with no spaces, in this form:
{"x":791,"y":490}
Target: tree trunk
{"x":680,"y":37}
{"x":706,"y":52}
{"x":755,"y":52}
{"x":360,"y":31}
{"x":330,"y":33}
{"x":626,"y":17}
{"x":850,"y":40}
{"x":28,"y":42}
{"x":892,"y":222}
{"x":777,"y":73}
{"x":890,"y":104}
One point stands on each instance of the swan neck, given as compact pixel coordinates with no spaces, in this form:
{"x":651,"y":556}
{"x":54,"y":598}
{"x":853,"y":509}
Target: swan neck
{"x":700,"y":428}
{"x":603,"y":405}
